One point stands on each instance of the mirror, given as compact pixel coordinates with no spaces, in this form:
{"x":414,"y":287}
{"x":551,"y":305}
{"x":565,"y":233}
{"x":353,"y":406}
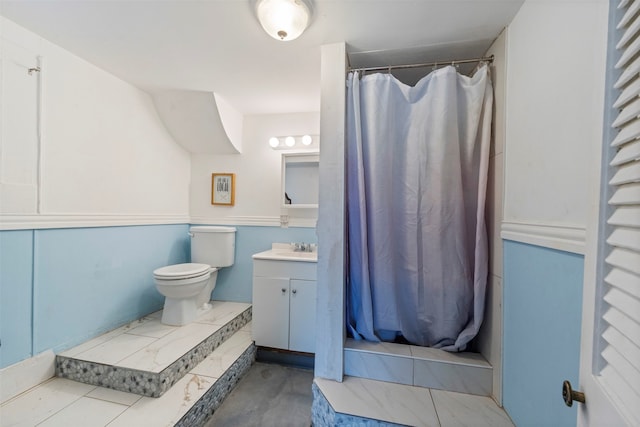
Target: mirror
{"x":300,"y":181}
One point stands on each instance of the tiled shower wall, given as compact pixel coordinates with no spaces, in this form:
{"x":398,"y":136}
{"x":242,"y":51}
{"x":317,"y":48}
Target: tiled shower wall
{"x":489,"y":340}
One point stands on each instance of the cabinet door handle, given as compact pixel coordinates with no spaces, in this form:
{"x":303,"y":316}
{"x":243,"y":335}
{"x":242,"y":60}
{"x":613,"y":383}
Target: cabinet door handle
{"x":284,"y":290}
{"x":293,"y":291}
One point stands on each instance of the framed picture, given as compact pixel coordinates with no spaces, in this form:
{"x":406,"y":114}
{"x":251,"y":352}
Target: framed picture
{"x":223,"y":189}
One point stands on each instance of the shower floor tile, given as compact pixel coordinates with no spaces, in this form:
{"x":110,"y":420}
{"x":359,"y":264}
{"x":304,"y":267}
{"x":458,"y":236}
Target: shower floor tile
{"x":434,"y":354}
{"x":387,"y":348}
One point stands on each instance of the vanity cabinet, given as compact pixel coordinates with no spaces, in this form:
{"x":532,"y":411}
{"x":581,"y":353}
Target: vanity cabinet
{"x":284,"y":305}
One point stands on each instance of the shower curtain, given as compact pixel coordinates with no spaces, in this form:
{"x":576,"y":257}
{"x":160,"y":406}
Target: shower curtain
{"x":417,"y":160}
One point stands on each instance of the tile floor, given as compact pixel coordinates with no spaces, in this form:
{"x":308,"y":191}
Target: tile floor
{"x":409,"y":405}
{"x":65,"y":403}
{"x":148,"y":345}
{"x":62,"y":402}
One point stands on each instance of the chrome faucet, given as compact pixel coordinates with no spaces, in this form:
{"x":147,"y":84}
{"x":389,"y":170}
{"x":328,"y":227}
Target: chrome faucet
{"x":302,"y":247}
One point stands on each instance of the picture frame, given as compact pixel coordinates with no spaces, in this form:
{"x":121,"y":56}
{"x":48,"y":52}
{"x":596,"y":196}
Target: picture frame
{"x":223,"y":188}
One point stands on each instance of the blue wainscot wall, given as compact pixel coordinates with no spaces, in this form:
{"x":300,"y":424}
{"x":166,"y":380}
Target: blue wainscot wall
{"x":60,"y":287}
{"x":542,"y":322}
{"x":235,"y":283}
{"x":16,"y":294}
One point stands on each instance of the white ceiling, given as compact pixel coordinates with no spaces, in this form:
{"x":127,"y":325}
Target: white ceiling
{"x":219,"y":46}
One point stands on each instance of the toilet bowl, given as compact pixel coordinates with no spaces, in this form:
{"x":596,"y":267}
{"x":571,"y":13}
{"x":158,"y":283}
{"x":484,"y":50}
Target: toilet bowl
{"x":187,"y":287}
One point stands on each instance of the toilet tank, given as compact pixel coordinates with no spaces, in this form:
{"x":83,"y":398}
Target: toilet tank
{"x":213,"y":245}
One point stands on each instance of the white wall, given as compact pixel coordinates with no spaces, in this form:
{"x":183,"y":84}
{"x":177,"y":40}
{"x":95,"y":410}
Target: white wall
{"x":556,"y":60}
{"x":258,"y":169}
{"x":556,"y":75}
{"x":548,"y":78}
{"x":103,"y":158}
{"x":104,"y":151}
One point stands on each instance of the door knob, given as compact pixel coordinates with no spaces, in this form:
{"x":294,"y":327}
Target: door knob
{"x":569,"y":394}
{"x":284,"y":290}
{"x":294,"y":291}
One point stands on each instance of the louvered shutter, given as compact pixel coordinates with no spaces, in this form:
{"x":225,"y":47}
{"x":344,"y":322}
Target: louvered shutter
{"x":620,"y":373}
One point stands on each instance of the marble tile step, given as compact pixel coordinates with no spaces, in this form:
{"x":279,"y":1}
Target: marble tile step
{"x":419,"y":366}
{"x":147,"y":357}
{"x":369,"y":403}
{"x":193,"y":399}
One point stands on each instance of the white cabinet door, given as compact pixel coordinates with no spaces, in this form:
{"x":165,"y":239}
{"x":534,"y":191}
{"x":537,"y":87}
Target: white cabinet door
{"x":270,"y":324}
{"x":302,"y":311}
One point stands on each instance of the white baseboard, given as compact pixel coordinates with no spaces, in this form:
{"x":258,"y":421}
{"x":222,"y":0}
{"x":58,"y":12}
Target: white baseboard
{"x":563,"y":238}
{"x":22,"y":376}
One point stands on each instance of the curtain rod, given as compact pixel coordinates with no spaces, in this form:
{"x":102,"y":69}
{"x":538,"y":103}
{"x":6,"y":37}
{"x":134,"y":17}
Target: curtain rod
{"x":488,"y":59}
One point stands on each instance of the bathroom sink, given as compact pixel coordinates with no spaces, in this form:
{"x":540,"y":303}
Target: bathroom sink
{"x":283,"y":252}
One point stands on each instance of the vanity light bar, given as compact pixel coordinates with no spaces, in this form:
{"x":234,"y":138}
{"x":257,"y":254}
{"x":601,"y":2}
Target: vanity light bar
{"x":294,"y":142}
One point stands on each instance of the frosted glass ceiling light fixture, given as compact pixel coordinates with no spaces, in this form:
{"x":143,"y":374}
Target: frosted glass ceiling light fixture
{"x":283,"y":19}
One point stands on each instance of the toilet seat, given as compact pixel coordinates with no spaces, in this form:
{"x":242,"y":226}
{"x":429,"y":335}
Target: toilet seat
{"x":188,"y":270}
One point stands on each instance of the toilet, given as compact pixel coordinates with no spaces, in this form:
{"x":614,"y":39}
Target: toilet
{"x":187,"y":287}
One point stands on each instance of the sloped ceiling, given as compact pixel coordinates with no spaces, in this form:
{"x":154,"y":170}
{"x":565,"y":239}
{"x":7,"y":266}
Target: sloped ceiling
{"x":218,"y":46}
{"x":196,"y":122}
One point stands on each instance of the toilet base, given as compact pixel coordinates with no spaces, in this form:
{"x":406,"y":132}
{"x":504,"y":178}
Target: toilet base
{"x":203,"y":309}
{"x":179,"y":312}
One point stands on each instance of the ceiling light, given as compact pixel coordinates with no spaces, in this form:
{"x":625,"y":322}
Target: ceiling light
{"x":283,"y":19}
{"x":290,"y":141}
{"x":306,"y":140}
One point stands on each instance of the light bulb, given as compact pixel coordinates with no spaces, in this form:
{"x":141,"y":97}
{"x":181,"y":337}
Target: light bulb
{"x":283,"y":19}
{"x":274,"y":142}
{"x":306,"y":140}
{"x":290,"y":141}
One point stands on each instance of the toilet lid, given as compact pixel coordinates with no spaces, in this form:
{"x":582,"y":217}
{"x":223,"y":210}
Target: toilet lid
{"x":181,"y":271}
